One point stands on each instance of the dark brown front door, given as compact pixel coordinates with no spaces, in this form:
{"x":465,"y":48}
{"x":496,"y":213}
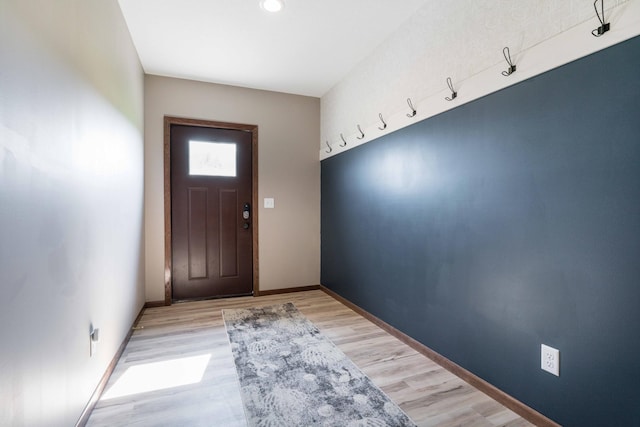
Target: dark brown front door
{"x":211,"y":212}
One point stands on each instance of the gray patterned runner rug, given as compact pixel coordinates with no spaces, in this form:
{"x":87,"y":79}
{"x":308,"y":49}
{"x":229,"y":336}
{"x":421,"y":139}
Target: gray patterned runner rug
{"x":291,"y":375}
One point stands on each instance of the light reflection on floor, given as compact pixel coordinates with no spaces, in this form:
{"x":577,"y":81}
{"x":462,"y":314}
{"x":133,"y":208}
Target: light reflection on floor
{"x":159,"y":376}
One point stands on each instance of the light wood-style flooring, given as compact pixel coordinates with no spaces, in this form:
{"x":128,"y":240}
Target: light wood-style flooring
{"x":428,"y":393}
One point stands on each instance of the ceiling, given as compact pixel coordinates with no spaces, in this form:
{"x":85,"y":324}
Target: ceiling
{"x":305,"y":49}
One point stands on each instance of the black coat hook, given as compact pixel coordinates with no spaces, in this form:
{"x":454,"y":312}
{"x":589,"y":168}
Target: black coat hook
{"x":507,"y":57}
{"x":330,"y":149}
{"x":343,"y":140}
{"x":604,"y":27}
{"x":413,"y":110}
{"x":384,"y":125}
{"x":453,"y":92}
{"x":361,"y":133}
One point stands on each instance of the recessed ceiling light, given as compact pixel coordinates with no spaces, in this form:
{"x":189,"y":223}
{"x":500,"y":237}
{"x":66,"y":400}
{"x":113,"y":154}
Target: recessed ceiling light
{"x":272,"y":5}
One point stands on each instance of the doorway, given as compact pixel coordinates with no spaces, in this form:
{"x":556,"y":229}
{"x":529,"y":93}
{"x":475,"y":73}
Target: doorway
{"x":211,"y":227}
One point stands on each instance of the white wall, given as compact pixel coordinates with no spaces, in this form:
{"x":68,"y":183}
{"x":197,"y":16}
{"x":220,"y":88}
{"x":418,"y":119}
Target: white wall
{"x":71,"y":202}
{"x":463,"y":39}
{"x":289,"y":171}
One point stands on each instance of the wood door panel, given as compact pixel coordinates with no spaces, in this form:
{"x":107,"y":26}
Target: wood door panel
{"x":229,"y":229}
{"x":211,"y":244}
{"x":197,"y":237}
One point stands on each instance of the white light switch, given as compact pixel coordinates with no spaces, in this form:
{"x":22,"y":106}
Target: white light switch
{"x":269,"y":203}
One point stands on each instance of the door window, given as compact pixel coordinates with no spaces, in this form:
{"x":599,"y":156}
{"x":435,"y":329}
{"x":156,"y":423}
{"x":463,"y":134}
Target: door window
{"x":212,"y":158}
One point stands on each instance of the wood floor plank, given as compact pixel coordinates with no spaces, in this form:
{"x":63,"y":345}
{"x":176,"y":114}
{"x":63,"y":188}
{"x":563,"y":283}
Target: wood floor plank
{"x":428,"y":393}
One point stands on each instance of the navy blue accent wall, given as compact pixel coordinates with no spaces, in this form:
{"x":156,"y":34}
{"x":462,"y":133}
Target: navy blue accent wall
{"x":505,"y":223}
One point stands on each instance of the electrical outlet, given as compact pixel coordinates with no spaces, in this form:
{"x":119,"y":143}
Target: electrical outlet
{"x":550,"y":360}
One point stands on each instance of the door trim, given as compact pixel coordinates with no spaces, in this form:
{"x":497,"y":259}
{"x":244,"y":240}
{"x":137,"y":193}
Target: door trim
{"x":171,"y":120}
